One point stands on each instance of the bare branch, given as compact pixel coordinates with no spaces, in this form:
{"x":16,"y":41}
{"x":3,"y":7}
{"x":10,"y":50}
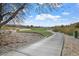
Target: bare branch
{"x":8,"y":13}
{"x":13,"y":15}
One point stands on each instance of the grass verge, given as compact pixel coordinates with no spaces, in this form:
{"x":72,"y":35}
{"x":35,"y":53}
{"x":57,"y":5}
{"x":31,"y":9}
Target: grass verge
{"x":42,"y":31}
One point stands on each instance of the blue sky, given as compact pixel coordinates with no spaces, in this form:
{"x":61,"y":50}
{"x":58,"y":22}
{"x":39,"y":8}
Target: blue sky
{"x":47,"y":16}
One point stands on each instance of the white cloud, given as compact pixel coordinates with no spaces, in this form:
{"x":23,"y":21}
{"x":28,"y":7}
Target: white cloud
{"x":24,"y":10}
{"x":46,"y":16}
{"x":65,"y":13}
{"x":41,"y":3}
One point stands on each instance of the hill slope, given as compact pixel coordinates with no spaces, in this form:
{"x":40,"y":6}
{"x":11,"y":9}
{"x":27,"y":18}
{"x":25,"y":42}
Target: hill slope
{"x":67,"y":29}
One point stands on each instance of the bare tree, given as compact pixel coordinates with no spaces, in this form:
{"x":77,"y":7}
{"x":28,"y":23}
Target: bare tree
{"x":14,"y":14}
{"x":11,"y":17}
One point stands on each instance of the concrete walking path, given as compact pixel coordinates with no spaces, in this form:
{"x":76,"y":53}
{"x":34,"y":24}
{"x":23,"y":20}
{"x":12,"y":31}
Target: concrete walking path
{"x":50,"y":46}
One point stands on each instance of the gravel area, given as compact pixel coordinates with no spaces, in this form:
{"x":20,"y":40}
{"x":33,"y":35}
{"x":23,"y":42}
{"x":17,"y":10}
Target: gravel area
{"x":71,"y":46}
{"x":15,"y":40}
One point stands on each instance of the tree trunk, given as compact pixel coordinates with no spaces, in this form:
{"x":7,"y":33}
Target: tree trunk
{"x":1,"y":18}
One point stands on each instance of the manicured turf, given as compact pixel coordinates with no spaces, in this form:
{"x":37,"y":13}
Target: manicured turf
{"x":42,"y":31}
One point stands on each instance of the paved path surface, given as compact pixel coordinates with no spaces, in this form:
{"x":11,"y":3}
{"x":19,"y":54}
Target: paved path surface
{"x":50,"y":46}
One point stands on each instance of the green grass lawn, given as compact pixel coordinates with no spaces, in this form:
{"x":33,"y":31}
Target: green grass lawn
{"x":8,"y":28}
{"x":42,"y":31}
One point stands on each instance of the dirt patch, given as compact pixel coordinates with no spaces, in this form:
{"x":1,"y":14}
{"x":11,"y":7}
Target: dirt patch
{"x":71,"y":46}
{"x":16,"y":40}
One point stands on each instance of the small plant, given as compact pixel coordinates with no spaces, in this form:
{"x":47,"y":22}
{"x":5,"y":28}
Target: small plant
{"x":76,"y":34}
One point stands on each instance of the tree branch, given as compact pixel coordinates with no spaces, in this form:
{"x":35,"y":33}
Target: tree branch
{"x":1,"y":12}
{"x":6,"y":14}
{"x":13,"y":15}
